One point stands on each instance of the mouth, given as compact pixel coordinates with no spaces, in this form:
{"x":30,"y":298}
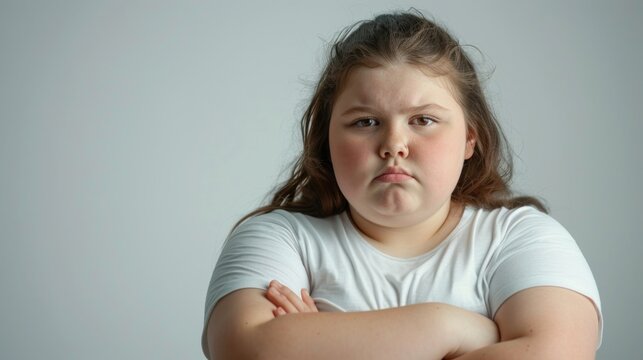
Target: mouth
{"x":393,"y":174}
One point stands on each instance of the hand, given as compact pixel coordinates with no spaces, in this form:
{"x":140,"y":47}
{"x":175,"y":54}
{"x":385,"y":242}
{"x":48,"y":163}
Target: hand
{"x":287,"y":302}
{"x":471,"y":331}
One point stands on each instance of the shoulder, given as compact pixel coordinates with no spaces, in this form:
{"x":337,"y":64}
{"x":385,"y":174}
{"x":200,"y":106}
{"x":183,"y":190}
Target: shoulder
{"x":530,"y":249}
{"x":293,"y":225}
{"x":506,"y":216}
{"x":523,"y":238}
{"x":522,"y":223}
{"x":290,"y":219}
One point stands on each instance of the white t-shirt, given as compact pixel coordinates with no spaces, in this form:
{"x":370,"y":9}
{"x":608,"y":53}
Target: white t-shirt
{"x":489,"y":256}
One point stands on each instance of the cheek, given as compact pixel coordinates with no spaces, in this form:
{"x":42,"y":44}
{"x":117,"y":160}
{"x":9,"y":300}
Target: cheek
{"x":441,"y":160}
{"x":347,"y":157}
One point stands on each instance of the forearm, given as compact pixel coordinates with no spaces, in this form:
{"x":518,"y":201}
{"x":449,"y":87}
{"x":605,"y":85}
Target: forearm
{"x":544,"y":323}
{"x":529,"y":348}
{"x":423,"y":331}
{"x":415,"y":332}
{"x":243,"y":327}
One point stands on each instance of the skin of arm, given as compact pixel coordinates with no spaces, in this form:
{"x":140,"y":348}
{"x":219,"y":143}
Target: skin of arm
{"x":544,"y":323}
{"x":537,"y":323}
{"x":244,"y":326}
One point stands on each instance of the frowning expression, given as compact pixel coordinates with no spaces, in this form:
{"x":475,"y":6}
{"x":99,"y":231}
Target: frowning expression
{"x":398,"y":140}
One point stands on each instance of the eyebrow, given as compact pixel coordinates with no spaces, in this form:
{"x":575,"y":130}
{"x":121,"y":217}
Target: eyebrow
{"x":363,"y":108}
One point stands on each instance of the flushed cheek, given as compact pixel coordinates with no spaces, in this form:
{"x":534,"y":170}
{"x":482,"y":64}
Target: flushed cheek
{"x":440,"y":163}
{"x":349,"y":162}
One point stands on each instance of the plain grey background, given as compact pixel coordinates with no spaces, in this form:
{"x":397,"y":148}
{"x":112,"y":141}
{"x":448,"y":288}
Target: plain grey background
{"x":133,"y":134}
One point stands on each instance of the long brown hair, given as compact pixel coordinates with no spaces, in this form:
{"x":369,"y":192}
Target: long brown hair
{"x":407,"y":37}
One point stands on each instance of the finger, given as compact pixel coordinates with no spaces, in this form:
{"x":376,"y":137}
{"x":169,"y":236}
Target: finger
{"x":308,"y":300}
{"x":279,"y":300}
{"x":292,"y":298}
{"x":279,"y":311}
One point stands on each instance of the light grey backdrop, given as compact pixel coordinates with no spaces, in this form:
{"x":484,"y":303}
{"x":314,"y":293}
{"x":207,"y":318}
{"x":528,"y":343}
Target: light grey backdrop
{"x":133,"y":134}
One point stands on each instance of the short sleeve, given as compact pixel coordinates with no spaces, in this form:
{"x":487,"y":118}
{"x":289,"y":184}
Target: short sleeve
{"x":537,"y":251}
{"x":259,"y":250}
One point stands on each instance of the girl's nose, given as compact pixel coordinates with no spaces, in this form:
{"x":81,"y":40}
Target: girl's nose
{"x":394,"y":144}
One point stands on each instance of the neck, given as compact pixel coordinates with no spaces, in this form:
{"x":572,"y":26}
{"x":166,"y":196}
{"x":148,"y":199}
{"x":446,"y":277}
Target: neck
{"x":414,"y":239}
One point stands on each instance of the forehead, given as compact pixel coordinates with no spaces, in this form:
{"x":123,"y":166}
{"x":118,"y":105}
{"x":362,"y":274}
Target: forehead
{"x":398,"y":84}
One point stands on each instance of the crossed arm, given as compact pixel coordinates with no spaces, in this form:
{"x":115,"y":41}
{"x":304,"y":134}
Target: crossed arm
{"x":537,"y":323}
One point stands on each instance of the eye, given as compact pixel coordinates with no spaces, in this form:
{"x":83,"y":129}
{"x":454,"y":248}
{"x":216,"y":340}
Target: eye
{"x":366,"y":122}
{"x":422,"y":120}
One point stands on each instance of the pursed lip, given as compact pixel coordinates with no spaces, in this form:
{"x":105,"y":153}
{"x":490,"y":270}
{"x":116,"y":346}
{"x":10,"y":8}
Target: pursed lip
{"x":393,"y":174}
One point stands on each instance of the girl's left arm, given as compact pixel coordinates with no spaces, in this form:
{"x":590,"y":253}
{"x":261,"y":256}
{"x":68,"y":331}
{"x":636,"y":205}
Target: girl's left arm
{"x":544,"y":323}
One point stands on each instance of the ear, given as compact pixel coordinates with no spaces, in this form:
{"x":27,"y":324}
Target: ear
{"x":470,"y":144}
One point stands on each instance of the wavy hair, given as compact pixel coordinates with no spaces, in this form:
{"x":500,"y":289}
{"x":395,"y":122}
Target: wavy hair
{"x":398,"y":37}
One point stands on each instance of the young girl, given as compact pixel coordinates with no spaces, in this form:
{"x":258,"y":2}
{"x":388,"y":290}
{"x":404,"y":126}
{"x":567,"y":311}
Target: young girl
{"x":399,"y":227}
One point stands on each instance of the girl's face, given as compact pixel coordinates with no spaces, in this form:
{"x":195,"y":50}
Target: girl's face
{"x":398,"y":141}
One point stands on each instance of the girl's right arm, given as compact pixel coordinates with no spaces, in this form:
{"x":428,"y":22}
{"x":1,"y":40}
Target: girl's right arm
{"x":243,"y":326}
